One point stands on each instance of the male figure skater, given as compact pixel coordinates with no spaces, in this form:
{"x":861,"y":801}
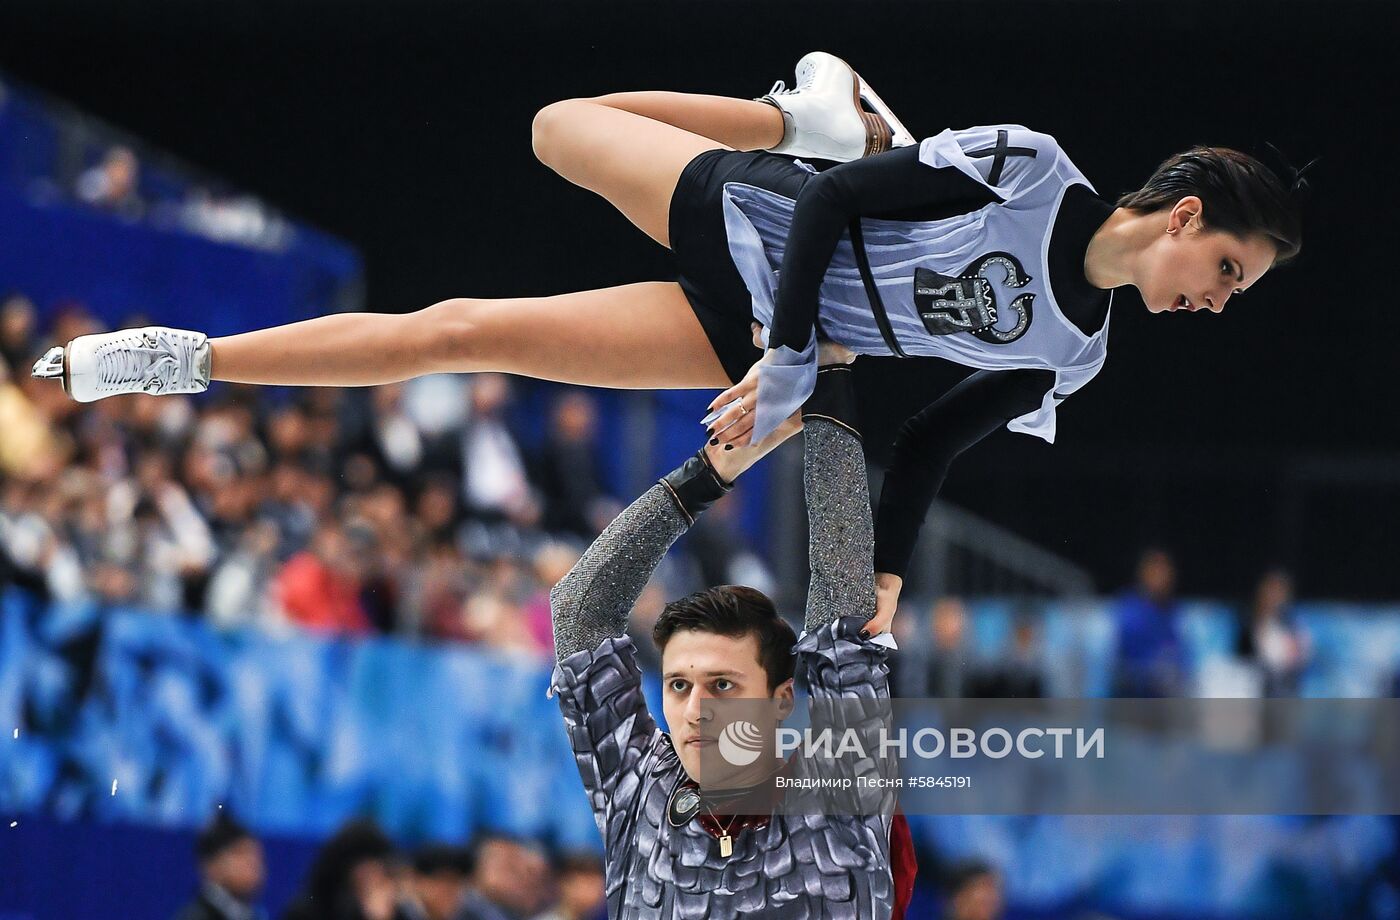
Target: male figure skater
{"x":667,"y":853}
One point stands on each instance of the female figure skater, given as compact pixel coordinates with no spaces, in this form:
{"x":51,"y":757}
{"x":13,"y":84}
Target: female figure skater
{"x":984,"y":246}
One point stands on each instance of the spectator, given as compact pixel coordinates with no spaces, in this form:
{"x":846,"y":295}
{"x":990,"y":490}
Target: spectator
{"x":112,"y":184}
{"x":973,"y":892}
{"x":319,"y":588}
{"x":231,"y":873}
{"x":28,"y":448}
{"x":292,"y":503}
{"x":509,"y":882}
{"x":494,"y":484}
{"x":354,"y":877}
{"x":17,"y":331}
{"x":551,"y":563}
{"x":1150,"y":660}
{"x":1017,"y":675}
{"x":437,"y":882}
{"x":568,"y":470}
{"x":938,"y":669}
{"x":1270,"y":637}
{"x":393,"y":437}
{"x":578,"y":886}
{"x":37,"y":555}
{"x":236,"y":595}
{"x":444,"y":582}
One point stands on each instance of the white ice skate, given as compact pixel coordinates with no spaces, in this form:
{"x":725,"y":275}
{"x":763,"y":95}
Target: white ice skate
{"x":832,"y":114}
{"x":154,"y":359}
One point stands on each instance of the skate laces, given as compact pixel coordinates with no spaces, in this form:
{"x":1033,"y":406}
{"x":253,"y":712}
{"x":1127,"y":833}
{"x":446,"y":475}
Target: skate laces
{"x":781,"y":88}
{"x":153,"y":369}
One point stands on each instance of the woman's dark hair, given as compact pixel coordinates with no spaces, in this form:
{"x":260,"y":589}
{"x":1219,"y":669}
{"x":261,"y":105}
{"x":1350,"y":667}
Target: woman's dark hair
{"x":328,"y":893}
{"x":222,"y":832}
{"x":1242,"y":196}
{"x":734,"y":611}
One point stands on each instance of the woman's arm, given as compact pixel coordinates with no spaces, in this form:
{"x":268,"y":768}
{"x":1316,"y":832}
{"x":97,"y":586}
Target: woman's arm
{"x":925,"y":448}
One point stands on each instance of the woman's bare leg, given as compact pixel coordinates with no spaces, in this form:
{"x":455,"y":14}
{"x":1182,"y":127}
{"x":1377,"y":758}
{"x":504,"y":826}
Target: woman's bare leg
{"x":742,"y":124}
{"x":631,"y":147}
{"x":628,"y":147}
{"x":636,"y":336}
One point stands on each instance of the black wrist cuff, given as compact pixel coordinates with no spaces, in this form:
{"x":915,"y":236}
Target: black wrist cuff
{"x":833,"y":399}
{"x":695,"y":485}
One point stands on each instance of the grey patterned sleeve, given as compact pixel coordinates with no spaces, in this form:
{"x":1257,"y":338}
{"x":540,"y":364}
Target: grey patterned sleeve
{"x":597,"y":679}
{"x":841,"y":539}
{"x":836,"y":661}
{"x":592,"y":603}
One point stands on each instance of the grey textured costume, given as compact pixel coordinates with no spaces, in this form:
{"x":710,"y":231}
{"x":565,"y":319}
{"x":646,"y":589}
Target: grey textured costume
{"x":798,"y":866}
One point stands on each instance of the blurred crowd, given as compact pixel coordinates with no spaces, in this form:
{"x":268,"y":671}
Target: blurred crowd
{"x":1270,"y":652}
{"x":409,"y":509}
{"x":359,"y":874}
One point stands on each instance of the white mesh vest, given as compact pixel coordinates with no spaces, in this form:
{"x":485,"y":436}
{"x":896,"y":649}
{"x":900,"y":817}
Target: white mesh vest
{"x":973,"y":288}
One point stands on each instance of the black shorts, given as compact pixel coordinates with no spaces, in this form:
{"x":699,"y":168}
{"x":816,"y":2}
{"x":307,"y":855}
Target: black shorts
{"x":712,"y":284}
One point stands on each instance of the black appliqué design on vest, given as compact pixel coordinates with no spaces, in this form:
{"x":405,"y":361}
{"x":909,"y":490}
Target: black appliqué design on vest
{"x":968,"y":303}
{"x":1001,"y":151}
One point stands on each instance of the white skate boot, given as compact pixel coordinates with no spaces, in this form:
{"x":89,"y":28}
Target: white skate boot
{"x":154,"y":359}
{"x":832,"y":114}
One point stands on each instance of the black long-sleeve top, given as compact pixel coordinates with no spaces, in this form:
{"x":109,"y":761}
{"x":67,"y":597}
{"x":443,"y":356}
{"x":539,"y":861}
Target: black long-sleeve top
{"x":897,"y":186}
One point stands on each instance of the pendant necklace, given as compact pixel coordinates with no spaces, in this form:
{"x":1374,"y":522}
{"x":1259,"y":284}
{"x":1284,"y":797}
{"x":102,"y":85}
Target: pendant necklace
{"x":726,"y":842}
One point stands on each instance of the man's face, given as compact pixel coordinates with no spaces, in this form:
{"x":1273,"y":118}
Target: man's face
{"x":699,"y":669}
{"x":238,"y":869}
{"x":1157,"y":575}
{"x":511,"y":875}
{"x":979,"y":899}
{"x":440,"y":893}
{"x":581,"y":893}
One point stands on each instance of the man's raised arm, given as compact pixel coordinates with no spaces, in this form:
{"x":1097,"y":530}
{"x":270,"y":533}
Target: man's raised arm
{"x":841,"y":538}
{"x":592,"y":602}
{"x":835,"y":656}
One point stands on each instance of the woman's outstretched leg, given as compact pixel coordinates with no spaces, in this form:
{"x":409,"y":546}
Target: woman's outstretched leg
{"x":638,"y":336}
{"x":642,"y":336}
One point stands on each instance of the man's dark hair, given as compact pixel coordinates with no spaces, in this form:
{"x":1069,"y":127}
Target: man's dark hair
{"x":734,"y":611}
{"x":356,"y":842}
{"x":1241,"y":195}
{"x":959,"y":875}
{"x":222,"y":832}
{"x":577,"y":862}
{"x":441,"y":858}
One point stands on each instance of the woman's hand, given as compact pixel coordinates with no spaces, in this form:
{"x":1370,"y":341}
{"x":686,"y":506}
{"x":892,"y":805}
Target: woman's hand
{"x":887,"y":588}
{"x":733,"y":426}
{"x":729,"y":463}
